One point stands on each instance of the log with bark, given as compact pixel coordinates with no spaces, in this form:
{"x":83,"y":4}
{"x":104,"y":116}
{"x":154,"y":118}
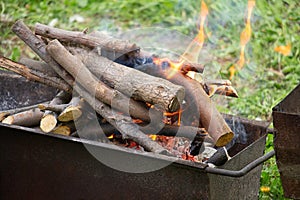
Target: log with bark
{"x":27,"y":118}
{"x":133,"y":83}
{"x":199,"y":104}
{"x":33,"y":75}
{"x":5,"y":113}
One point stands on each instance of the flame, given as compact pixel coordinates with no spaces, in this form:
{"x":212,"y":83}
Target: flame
{"x":175,"y":66}
{"x":284,"y":50}
{"x":152,"y":137}
{"x":111,"y":136}
{"x":179,"y":112}
{"x":193,"y":50}
{"x":244,"y":39}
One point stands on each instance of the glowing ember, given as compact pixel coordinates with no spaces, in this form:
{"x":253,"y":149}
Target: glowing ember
{"x":137,"y":121}
{"x":244,"y":39}
{"x":111,"y":136}
{"x":192,"y":52}
{"x":284,"y":50}
{"x":153,"y":137}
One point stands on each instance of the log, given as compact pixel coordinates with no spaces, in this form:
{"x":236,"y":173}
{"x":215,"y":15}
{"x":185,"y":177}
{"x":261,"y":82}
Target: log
{"x":112,"y":44}
{"x":5,"y":113}
{"x":64,"y":129}
{"x":84,"y":77}
{"x":133,"y":83}
{"x":26,"y":118}
{"x":33,"y":75}
{"x":49,"y":119}
{"x":122,"y":123}
{"x":38,"y":66}
{"x":53,"y":108}
{"x":221,"y":90}
{"x":39,"y":47}
{"x":199,"y":104}
{"x":71,"y":112}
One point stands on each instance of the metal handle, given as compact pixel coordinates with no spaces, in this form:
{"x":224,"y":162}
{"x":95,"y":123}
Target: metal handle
{"x":243,"y":171}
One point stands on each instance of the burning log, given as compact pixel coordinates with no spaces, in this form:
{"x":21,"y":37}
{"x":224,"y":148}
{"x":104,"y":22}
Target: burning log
{"x":122,"y":123}
{"x":5,"y":113}
{"x":198,"y":100}
{"x":102,"y":92}
{"x":131,"y":82}
{"x":26,"y":118}
{"x":112,"y":45}
{"x":32,"y":74}
{"x":49,"y":119}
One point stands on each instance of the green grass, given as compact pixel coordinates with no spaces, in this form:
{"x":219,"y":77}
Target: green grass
{"x":266,"y":79}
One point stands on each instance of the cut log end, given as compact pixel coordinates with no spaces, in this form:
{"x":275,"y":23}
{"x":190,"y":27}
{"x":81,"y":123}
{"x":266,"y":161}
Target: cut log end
{"x":62,"y":130}
{"x":71,"y":113}
{"x":8,"y":120}
{"x":224,"y":139}
{"x":3,"y":115}
{"x":48,"y":123}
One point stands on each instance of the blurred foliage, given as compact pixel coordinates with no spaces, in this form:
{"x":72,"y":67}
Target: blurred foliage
{"x":265,"y":80}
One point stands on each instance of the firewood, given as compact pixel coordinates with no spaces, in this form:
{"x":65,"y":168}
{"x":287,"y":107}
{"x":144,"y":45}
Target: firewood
{"x":136,"y":84}
{"x":32,"y":74}
{"x":39,"y":47}
{"x":5,"y":113}
{"x":122,"y":123}
{"x":101,"y":91}
{"x":55,"y":108}
{"x":199,"y":103}
{"x":72,"y":112}
{"x":113,"y":45}
{"x":64,"y":129}
{"x":26,"y":118}
{"x":49,"y":119}
{"x":38,"y":66}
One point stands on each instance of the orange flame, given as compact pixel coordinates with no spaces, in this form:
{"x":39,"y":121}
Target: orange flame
{"x":284,"y":50}
{"x":111,"y":136}
{"x":174,"y":66}
{"x":193,"y":50}
{"x":179,"y":112}
{"x":244,"y":39}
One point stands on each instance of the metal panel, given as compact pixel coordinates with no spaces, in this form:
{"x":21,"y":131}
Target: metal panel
{"x":286,"y":117}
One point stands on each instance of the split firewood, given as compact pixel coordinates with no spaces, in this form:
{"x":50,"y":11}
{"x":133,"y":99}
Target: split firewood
{"x":49,"y":119}
{"x":32,"y":74}
{"x":199,"y":103}
{"x":5,"y":113}
{"x":38,"y":66}
{"x":122,"y":123}
{"x":72,"y":112}
{"x":136,"y":109}
{"x":26,"y":118}
{"x":112,"y":44}
{"x":64,"y":129}
{"x":100,"y":90}
{"x":136,"y":84}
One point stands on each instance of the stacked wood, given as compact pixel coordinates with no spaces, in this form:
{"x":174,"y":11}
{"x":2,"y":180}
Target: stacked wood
{"x":97,"y":69}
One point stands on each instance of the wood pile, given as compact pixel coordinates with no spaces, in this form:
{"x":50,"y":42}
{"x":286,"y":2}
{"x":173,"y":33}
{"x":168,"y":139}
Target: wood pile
{"x":131,"y":91}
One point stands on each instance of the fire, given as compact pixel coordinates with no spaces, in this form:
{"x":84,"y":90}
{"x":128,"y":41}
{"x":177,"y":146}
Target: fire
{"x":244,"y":39}
{"x":179,"y":112}
{"x":153,"y":137}
{"x":111,"y":136}
{"x":193,"y":50}
{"x":175,"y":66}
{"x":284,"y":50}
